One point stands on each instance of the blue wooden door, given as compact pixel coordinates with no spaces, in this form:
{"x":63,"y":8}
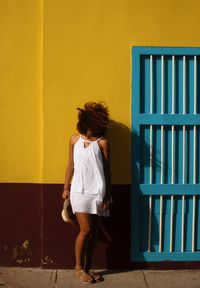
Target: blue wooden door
{"x":165,"y":154}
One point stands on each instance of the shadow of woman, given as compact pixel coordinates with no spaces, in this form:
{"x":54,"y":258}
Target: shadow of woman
{"x":116,"y":230}
{"x":119,"y":136}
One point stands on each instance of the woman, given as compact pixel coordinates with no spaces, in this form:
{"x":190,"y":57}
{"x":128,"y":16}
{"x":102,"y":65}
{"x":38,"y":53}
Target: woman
{"x":89,"y":170}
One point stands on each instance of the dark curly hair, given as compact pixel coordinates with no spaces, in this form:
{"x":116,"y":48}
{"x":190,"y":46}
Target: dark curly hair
{"x":93,"y":117}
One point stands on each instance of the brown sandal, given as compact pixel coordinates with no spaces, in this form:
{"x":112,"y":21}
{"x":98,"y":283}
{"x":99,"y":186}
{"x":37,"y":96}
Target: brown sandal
{"x":97,"y":277}
{"x":84,"y":277}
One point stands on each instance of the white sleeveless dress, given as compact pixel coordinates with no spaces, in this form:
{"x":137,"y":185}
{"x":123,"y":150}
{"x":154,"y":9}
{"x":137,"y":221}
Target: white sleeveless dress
{"x":88,"y":185}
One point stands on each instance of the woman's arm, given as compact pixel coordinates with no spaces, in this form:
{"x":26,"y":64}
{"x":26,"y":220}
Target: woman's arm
{"x":105,"y":148}
{"x":69,"y":170}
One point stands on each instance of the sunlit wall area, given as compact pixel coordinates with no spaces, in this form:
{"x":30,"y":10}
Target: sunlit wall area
{"x":20,"y":91}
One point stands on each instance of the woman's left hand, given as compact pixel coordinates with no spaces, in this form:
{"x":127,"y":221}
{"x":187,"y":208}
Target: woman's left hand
{"x":107,"y":202}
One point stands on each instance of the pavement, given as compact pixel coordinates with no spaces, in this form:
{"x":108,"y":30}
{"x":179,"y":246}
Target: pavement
{"x":43,"y":278}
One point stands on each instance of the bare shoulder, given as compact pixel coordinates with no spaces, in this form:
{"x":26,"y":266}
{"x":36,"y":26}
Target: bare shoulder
{"x":74,"y":138}
{"x":104,"y":143}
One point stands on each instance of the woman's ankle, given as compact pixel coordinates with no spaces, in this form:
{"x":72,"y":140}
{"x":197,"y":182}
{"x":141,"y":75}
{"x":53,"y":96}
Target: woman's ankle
{"x":78,"y":267}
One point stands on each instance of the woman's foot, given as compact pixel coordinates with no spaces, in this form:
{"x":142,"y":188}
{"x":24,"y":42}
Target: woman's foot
{"x":84,"y":277}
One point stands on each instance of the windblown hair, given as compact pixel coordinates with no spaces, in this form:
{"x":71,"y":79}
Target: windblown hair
{"x":93,"y":118}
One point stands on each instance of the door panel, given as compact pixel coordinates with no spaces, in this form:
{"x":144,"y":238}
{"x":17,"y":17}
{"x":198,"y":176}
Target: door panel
{"x":165,"y":154}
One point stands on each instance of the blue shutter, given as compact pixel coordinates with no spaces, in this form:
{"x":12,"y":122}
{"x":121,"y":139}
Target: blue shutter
{"x":165,"y":154}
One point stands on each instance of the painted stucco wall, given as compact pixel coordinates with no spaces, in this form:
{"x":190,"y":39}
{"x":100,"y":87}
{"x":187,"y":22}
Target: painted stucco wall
{"x":83,"y":49}
{"x":20,"y":91}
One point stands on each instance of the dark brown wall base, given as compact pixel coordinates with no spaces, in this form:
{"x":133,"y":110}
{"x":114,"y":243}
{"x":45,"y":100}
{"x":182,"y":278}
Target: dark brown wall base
{"x":20,"y":222}
{"x":34,"y":234}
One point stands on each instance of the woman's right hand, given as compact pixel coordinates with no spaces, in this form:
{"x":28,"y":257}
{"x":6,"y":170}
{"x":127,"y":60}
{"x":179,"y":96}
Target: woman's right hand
{"x":66,"y":194}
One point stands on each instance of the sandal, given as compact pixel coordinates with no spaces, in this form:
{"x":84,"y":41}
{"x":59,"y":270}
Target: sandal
{"x":96,"y":276}
{"x":85,"y":278}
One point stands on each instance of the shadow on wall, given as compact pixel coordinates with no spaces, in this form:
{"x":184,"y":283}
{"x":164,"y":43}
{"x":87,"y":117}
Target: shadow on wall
{"x":119,"y":136}
{"x":115,"y":230}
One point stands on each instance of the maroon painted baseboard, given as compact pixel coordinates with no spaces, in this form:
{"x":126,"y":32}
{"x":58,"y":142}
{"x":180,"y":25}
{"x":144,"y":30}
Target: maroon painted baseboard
{"x":34,"y":234}
{"x":20,"y":222}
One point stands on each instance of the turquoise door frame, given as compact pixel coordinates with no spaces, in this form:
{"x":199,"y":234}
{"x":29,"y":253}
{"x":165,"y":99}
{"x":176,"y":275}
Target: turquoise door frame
{"x":165,"y":200}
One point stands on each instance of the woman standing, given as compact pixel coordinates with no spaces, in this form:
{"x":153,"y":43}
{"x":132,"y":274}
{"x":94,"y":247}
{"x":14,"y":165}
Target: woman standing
{"x":88,"y":171}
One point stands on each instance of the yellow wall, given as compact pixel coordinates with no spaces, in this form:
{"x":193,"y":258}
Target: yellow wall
{"x":20,"y":90}
{"x":86,"y":56}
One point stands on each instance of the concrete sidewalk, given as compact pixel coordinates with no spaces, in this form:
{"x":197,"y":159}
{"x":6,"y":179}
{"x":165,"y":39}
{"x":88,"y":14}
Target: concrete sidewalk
{"x":40,"y":278}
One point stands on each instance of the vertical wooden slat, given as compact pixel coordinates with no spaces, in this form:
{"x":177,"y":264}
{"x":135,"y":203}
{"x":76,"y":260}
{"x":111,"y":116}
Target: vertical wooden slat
{"x":162,"y":153}
{"x":193,"y":222}
{"x":184,"y":154}
{"x":161,"y":222}
{"x":151,"y":111}
{"x":195,"y":112}
{"x":195,"y":84}
{"x":194,"y":182}
{"x":171,"y":223}
{"x":173,"y":84}
{"x":173,"y":158}
{"x":151,"y":150}
{"x":184,"y":85}
{"x":194,"y":155}
{"x":173,"y":112}
{"x":150,"y":221}
{"x":183,"y":223}
{"x":172,"y":196}
{"x":151,"y":155}
{"x":162,"y":126}
{"x":162,"y":86}
{"x":184,"y":127}
{"x":151,"y":84}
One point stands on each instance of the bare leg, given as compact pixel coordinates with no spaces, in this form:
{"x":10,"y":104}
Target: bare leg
{"x":85,"y":245}
{"x":91,"y":242}
{"x":85,"y":223}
